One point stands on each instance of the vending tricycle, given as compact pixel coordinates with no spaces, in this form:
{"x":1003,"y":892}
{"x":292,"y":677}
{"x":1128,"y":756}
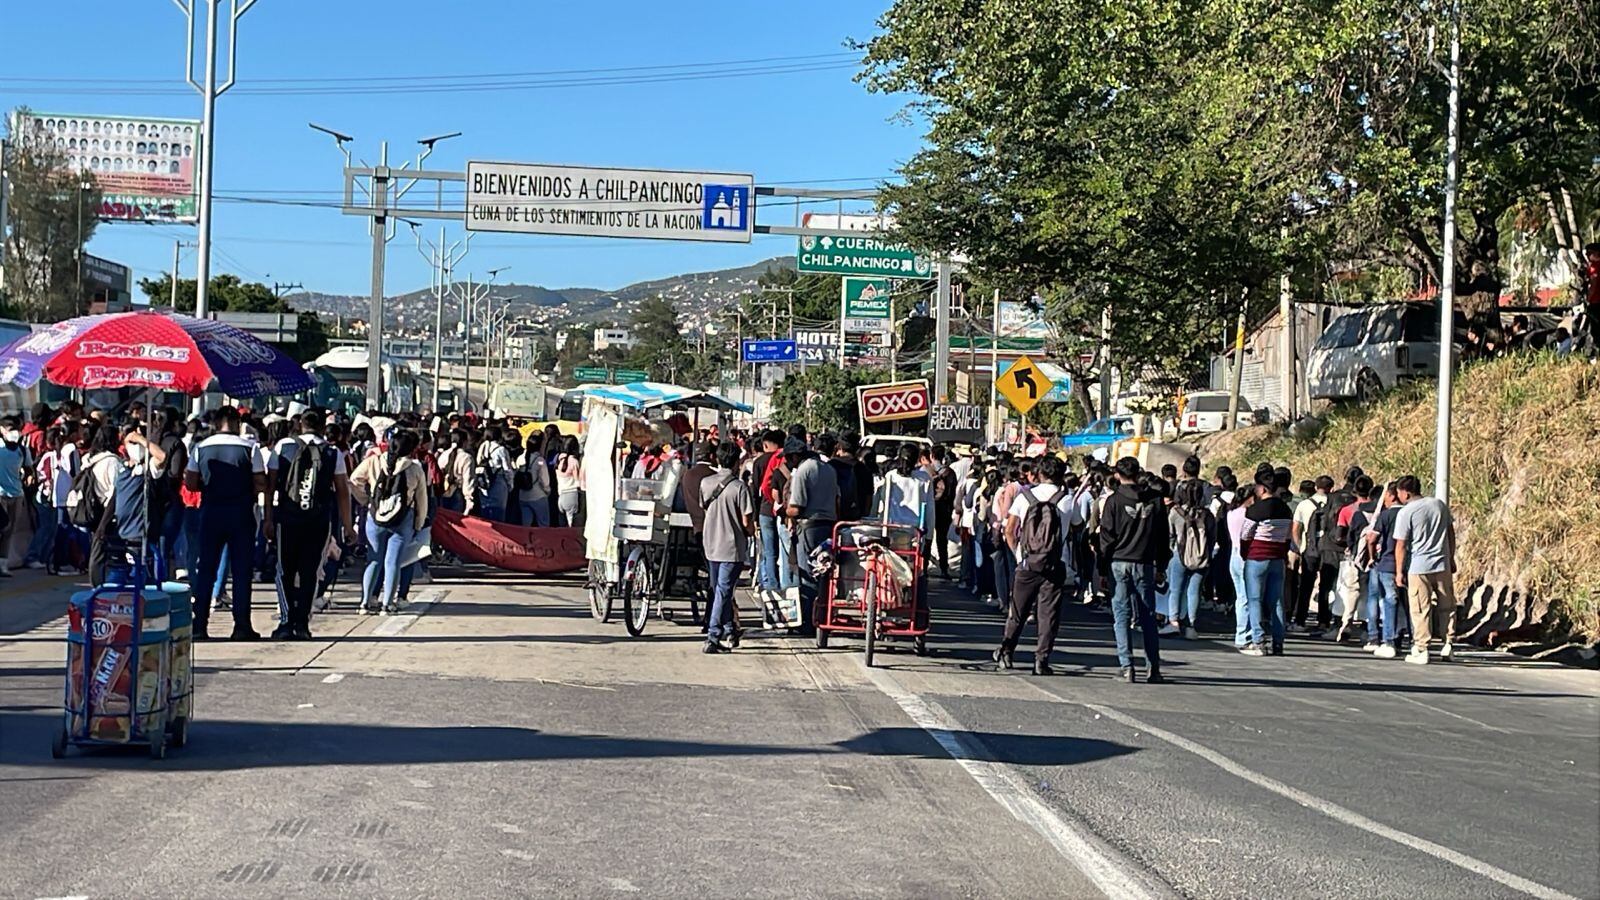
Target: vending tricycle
{"x":873,"y":589}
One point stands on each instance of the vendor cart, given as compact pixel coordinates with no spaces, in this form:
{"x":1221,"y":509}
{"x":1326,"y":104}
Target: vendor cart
{"x":640,"y":552}
{"x":118,"y":671}
{"x":874,"y":588}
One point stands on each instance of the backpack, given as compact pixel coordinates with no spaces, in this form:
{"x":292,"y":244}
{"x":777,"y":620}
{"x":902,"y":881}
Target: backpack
{"x":128,"y":502}
{"x":306,"y":490}
{"x":85,"y":508}
{"x":391,"y":500}
{"x":1317,"y":528}
{"x":1040,"y":537}
{"x":1192,"y":541}
{"x":1332,"y":545}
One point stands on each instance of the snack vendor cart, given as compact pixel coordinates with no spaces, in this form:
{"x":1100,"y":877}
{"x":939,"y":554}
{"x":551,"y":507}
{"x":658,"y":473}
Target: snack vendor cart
{"x":639,"y":551}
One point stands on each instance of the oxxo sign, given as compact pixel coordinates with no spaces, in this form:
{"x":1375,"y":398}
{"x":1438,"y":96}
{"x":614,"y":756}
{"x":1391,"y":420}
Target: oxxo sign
{"x":891,"y":402}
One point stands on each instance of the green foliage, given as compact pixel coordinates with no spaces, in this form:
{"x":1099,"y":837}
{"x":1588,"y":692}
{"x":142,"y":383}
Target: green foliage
{"x":823,"y":398}
{"x":230,"y":293}
{"x":53,"y":215}
{"x":1169,"y":159}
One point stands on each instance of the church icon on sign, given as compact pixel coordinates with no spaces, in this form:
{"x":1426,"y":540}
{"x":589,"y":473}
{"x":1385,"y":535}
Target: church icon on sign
{"x":726,"y":207}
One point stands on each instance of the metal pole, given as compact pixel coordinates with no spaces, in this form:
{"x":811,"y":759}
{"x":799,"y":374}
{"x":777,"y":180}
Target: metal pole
{"x":1238,"y":374}
{"x":843,"y":290}
{"x":466,"y":336}
{"x":941,"y":335}
{"x":994,"y":372}
{"x":208,"y":110}
{"x":177,"y":247}
{"x":380,"y":241}
{"x":1447,"y":277}
{"x":77,"y":254}
{"x":438,"y":320}
{"x":1105,"y":362}
{"x":1286,"y":367}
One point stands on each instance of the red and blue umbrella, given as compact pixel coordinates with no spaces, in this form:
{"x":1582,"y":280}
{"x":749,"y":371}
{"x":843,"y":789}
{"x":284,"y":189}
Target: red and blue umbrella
{"x":160,"y":351}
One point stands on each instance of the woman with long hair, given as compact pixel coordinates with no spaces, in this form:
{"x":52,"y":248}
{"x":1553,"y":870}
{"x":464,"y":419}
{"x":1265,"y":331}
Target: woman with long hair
{"x":394,"y":489}
{"x":569,"y":481}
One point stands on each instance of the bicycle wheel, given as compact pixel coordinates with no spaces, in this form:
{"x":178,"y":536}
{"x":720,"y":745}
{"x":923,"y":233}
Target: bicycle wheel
{"x":870,"y":623}
{"x":638,"y":590}
{"x":599,"y":592}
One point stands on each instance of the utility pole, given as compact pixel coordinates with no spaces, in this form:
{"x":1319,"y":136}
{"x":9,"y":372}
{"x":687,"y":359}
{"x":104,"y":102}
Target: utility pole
{"x":941,"y":334}
{"x":442,"y":260}
{"x":209,"y":91}
{"x":279,"y":288}
{"x":1105,"y":362}
{"x":994,"y":374}
{"x":177,"y":248}
{"x":383,"y":191}
{"x":1238,"y":369}
{"x":1447,"y":277}
{"x":1286,"y":366}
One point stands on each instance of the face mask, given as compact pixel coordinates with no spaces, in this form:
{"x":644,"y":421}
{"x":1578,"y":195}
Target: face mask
{"x":11,"y":436}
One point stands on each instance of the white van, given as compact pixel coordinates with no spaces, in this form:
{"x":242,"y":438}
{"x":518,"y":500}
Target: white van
{"x":1205,"y":412}
{"x":1368,"y":351}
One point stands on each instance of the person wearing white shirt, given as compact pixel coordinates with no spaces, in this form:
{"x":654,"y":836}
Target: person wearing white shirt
{"x":908,"y":492}
{"x":1041,"y":576}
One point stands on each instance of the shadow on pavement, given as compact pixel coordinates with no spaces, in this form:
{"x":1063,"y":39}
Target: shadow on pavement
{"x":228,"y":745}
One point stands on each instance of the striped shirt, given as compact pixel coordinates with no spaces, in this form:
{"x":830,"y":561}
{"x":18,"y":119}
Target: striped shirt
{"x":1266,"y":532}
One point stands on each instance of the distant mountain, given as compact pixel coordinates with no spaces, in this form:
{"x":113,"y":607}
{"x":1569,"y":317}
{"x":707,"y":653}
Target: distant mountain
{"x":698,"y":294}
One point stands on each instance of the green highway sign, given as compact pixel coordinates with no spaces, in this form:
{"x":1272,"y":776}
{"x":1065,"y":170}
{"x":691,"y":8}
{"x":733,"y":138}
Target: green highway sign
{"x":629,"y":376}
{"x":591,"y":374}
{"x":828,"y":255}
{"x":867,"y":298}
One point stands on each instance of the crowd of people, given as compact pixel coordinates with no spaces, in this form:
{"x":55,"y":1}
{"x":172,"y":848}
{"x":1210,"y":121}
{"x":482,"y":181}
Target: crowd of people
{"x":292,"y":498}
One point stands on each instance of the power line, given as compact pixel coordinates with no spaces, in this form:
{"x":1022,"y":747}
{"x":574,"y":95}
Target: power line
{"x":318,"y":79}
{"x":462,"y":88}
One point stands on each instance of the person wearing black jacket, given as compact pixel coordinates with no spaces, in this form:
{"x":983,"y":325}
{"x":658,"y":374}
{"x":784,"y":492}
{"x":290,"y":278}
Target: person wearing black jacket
{"x":1133,"y":535}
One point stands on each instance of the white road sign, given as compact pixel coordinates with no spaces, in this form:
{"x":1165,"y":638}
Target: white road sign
{"x":530,"y":198}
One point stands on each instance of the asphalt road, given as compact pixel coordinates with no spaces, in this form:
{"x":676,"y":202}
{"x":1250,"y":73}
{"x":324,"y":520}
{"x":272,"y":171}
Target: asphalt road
{"x":497,"y":742}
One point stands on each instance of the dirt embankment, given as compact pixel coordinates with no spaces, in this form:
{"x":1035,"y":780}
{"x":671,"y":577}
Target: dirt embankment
{"x":1525,"y":484}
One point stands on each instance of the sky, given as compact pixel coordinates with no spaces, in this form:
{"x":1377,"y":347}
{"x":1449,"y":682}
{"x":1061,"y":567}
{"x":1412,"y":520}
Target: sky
{"x":750,"y":86}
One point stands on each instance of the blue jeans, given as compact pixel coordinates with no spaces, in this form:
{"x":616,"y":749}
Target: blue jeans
{"x":1183,"y":586}
{"x":230,"y":528}
{"x":1246,"y":618}
{"x":720,"y":623}
{"x":1005,"y":572}
{"x":1263,"y":581}
{"x":1133,"y":594}
{"x":384,"y":567}
{"x":1384,"y":605}
{"x":536,"y":514}
{"x":811,"y":534}
{"x":44,"y":536}
{"x":788,"y":570}
{"x":767,"y":575}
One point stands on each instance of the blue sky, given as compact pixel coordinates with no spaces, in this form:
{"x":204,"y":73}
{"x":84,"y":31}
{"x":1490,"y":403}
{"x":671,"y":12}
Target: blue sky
{"x":811,"y":124}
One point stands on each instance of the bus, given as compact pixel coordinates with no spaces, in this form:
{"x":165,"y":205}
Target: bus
{"x":340,"y":383}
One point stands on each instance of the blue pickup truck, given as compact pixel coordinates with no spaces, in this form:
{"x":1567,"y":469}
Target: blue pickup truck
{"x":1099,"y":433}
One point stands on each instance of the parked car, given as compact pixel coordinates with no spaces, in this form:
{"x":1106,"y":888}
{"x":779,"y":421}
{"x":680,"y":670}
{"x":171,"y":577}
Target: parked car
{"x":1101,"y":433}
{"x":1205,"y":412}
{"x":1368,"y":351}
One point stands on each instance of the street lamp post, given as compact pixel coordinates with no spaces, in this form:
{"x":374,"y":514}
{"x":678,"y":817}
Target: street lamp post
{"x":1447,"y":275}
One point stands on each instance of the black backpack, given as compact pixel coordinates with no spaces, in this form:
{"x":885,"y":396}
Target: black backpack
{"x":391,"y":497}
{"x":1317,"y":528}
{"x":1040,"y":538}
{"x":1332,"y":543}
{"x":90,"y":509}
{"x":305,"y":494}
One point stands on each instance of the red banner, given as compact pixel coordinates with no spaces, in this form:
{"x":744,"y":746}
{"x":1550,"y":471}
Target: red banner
{"x":537,"y":551}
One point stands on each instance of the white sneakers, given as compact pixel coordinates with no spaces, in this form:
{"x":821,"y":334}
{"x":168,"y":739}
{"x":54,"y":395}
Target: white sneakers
{"x":1370,"y":647}
{"x":34,"y":565}
{"x":1418,"y":656}
{"x":1169,"y":628}
{"x":1445,"y":652}
{"x":1385,"y":651}
{"x":1252,"y":650}
{"x":1189,"y":634}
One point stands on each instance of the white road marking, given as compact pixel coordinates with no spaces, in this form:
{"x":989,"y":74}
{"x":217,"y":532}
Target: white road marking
{"x":1113,"y":874}
{"x":394,"y":625}
{"x":306,"y":706}
{"x":73,"y":897}
{"x":335,"y":678}
{"x":1327,"y":808}
{"x":523,"y":855}
{"x":506,"y":827}
{"x":623,"y":885}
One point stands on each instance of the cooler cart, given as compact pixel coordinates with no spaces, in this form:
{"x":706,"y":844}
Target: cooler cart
{"x":874,"y":588}
{"x":117,"y":685}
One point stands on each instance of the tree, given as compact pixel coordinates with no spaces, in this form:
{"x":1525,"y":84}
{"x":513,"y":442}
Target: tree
{"x":53,"y":212}
{"x":230,"y":293}
{"x":823,"y":398}
{"x":1169,"y":159}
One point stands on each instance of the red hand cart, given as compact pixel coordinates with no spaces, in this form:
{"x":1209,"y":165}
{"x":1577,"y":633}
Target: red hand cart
{"x":876,"y":587}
